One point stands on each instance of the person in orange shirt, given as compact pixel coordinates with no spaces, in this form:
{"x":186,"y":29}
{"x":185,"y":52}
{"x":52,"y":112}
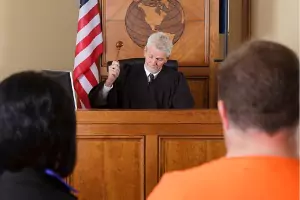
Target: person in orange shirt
{"x":259,"y":108}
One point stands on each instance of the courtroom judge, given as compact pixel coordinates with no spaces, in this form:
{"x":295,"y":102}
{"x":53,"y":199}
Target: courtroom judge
{"x":148,"y":86}
{"x":37,"y":138}
{"x":259,"y":109}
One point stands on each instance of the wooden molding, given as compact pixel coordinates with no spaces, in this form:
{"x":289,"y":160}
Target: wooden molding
{"x":246,"y":15}
{"x":148,"y":116}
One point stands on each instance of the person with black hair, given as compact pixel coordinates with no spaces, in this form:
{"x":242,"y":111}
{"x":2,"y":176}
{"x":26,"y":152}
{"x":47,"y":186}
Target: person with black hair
{"x":37,"y":138}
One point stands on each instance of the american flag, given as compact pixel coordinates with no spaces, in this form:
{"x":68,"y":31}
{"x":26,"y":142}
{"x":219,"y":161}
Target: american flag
{"x":89,"y":47}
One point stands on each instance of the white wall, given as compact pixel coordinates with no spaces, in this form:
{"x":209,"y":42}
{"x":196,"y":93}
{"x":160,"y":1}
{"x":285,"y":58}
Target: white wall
{"x":37,"y":34}
{"x":276,"y":20}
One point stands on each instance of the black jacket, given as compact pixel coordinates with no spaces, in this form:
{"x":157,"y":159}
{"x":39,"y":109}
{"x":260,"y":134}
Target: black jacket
{"x":32,"y":185}
{"x":131,"y":90}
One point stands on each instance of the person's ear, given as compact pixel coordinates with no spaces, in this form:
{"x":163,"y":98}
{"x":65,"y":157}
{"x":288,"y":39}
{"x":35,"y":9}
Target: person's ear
{"x":223,"y":114}
{"x":166,"y":60}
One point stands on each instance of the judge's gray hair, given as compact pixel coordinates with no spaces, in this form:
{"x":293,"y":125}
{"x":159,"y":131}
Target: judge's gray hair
{"x":161,"y":41}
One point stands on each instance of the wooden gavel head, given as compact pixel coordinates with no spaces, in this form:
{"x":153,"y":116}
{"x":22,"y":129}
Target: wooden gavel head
{"x":119,"y":45}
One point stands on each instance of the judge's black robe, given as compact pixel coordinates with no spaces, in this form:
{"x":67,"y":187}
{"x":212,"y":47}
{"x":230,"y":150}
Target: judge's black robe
{"x":131,"y":90}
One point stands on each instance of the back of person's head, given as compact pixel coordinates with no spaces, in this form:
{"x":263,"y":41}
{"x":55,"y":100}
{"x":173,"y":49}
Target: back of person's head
{"x":161,"y":41}
{"x":37,"y":123}
{"x":259,"y":86}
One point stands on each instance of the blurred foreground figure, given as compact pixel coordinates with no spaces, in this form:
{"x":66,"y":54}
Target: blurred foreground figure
{"x":37,"y":138}
{"x":259,"y":108}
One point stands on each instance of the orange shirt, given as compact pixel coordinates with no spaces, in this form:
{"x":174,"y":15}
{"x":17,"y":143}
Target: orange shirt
{"x":244,"y":178}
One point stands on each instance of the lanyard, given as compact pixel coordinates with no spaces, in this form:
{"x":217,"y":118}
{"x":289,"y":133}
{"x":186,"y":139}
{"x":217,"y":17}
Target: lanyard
{"x":56,"y":176}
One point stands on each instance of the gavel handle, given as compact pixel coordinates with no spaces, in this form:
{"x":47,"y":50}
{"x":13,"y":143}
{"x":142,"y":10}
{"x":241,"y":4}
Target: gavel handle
{"x":117,"y":54}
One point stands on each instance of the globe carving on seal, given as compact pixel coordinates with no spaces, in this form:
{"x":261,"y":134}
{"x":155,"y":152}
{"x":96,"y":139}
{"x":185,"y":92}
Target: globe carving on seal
{"x":144,"y":17}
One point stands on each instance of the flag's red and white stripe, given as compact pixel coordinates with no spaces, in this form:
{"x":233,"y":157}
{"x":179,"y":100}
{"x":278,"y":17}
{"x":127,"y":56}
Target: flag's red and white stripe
{"x":89,"y":46}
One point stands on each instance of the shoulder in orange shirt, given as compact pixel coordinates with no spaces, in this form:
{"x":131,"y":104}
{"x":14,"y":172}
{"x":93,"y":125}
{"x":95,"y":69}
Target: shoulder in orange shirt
{"x":243,"y":178}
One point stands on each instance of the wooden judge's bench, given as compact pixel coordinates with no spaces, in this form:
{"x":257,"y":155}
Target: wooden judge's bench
{"x":123,"y":154}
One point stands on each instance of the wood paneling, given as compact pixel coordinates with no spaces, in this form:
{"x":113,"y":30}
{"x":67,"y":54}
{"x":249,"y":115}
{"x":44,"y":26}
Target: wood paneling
{"x":151,"y":163}
{"x":116,"y":31}
{"x":145,"y":117}
{"x":109,"y":158}
{"x":215,"y":149}
{"x":192,"y":49}
{"x":239,"y":15}
{"x":199,"y":90}
{"x":115,"y":10}
{"x":246,"y":17}
{"x":122,"y":154}
{"x":177,"y":153}
{"x":194,"y":10}
{"x":214,"y":52}
{"x":181,"y":153}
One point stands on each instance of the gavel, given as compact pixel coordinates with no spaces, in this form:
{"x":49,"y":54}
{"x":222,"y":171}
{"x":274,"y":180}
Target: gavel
{"x":119,"y":45}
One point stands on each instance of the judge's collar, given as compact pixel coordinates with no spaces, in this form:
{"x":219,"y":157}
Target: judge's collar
{"x":147,"y":72}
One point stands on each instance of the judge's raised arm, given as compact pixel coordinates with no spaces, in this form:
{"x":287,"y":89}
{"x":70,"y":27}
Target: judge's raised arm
{"x":148,"y":85}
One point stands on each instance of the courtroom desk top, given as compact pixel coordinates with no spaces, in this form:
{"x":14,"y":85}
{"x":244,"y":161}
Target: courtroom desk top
{"x":190,"y":116}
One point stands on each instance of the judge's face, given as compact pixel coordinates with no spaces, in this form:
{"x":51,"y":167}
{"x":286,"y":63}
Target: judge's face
{"x":154,"y":59}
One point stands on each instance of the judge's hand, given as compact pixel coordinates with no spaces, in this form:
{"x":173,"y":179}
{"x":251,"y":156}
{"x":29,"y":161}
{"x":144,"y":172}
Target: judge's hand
{"x":113,"y":73}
